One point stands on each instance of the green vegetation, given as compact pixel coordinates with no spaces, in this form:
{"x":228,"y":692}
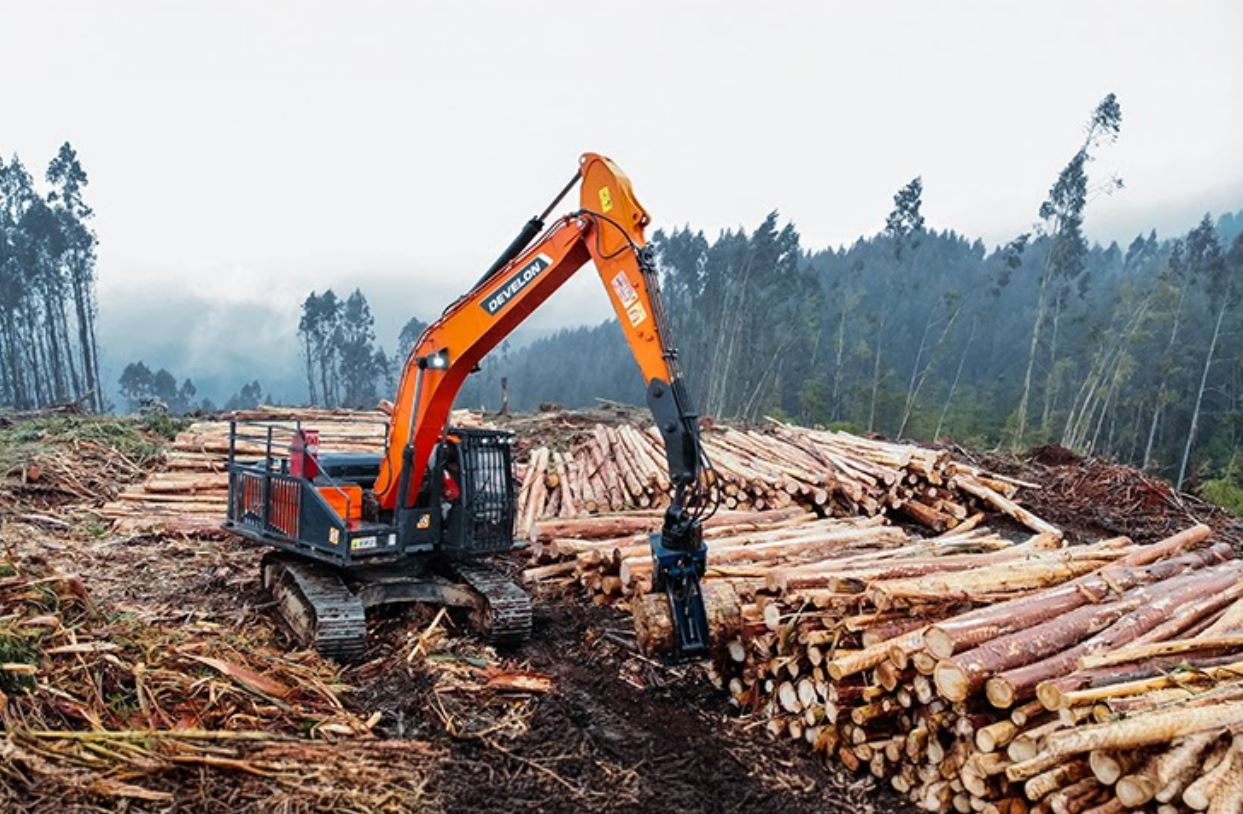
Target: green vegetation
{"x":1224,"y":493}
{"x":16,"y":650}
{"x":138,"y":438}
{"x":164,"y":424}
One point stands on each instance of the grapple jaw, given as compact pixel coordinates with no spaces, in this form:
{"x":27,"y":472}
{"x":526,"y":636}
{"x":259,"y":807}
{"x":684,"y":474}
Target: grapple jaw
{"x":678,"y":565}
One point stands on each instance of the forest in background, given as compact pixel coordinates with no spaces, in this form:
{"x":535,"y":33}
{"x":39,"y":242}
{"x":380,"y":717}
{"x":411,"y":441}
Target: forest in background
{"x":47,"y":287}
{"x":934,"y":342}
{"x":1130,"y":352}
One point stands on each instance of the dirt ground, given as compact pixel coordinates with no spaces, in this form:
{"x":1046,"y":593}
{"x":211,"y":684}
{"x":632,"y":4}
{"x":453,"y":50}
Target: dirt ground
{"x":615,"y":732}
{"x":618,"y":733}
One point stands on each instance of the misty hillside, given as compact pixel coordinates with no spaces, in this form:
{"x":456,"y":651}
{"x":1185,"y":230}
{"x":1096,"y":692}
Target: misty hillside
{"x":1129,"y":351}
{"x":933,"y":341}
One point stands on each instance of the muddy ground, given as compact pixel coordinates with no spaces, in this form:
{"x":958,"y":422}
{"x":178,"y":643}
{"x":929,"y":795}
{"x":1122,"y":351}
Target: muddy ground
{"x":615,"y":733}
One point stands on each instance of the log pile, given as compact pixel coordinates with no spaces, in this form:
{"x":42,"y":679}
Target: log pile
{"x":188,"y":496}
{"x":610,"y":556}
{"x":969,"y":672}
{"x":832,"y":473}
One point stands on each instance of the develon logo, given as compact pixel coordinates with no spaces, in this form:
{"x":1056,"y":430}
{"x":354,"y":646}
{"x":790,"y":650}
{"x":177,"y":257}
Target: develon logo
{"x":511,"y":287}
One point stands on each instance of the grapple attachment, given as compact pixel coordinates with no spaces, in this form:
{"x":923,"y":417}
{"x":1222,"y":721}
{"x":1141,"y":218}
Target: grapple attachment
{"x":677,"y":572}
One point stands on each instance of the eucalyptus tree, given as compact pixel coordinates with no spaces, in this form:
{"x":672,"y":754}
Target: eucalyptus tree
{"x":1061,"y":216}
{"x":1216,"y":271}
{"x":68,"y":178}
{"x":904,"y":226}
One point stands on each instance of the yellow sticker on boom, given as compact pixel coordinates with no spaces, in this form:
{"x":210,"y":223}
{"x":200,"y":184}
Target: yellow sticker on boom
{"x":606,"y":199}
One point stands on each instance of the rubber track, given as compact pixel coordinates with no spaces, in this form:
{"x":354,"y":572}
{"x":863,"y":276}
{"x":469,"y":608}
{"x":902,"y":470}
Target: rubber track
{"x":508,"y":620}
{"x":339,"y":618}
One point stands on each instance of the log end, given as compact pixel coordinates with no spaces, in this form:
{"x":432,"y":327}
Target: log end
{"x":1000,"y":692}
{"x":1134,"y":790}
{"x":952,"y":681}
{"x":938,"y":642}
{"x":653,"y":620}
{"x":986,"y":740}
{"x":1105,"y":767}
{"x":1050,"y":696}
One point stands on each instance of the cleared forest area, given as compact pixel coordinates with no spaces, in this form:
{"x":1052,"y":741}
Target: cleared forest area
{"x":144,"y":667}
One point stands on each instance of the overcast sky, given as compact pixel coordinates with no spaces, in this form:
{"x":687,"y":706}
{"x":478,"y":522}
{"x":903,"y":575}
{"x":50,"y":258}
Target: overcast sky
{"x":243,"y":153}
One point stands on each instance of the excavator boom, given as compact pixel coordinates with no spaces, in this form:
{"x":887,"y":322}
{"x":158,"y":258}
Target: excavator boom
{"x":608,"y":230}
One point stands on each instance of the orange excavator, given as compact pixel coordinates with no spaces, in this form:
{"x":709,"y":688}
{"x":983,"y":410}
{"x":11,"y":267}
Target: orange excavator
{"x":354,"y":531}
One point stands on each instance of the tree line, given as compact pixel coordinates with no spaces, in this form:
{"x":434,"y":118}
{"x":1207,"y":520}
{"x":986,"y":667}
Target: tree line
{"x":48,"y":353}
{"x":345,"y":366}
{"x":1130,"y":352}
{"x":144,"y":388}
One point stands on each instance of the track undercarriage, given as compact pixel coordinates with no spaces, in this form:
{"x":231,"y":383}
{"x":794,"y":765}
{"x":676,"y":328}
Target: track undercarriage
{"x":326,"y":607}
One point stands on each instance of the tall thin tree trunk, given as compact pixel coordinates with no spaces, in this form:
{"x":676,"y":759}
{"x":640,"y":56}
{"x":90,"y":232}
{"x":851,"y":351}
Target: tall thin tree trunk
{"x":1159,"y":404}
{"x":726,"y":374}
{"x":1195,"y":413}
{"x":1021,"y":420}
{"x":38,"y":379}
{"x":910,"y":385}
{"x":75,"y":383}
{"x":310,"y":369}
{"x":1082,"y":408}
{"x":1101,"y":420}
{"x":82,"y":308}
{"x":949,"y":398}
{"x":14,"y":360}
{"x":912,"y":395}
{"x":837,"y":366}
{"x":1051,"y":385}
{"x":94,"y":346}
{"x":1135,"y":430}
{"x":1152,"y":429}
{"x":6,"y":376}
{"x":55,"y":362}
{"x":323,"y":373}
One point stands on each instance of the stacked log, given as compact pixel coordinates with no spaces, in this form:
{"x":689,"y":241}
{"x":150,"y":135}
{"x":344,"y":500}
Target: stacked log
{"x":969,"y":672}
{"x":610,"y":556}
{"x":837,"y":474}
{"x":1036,"y":696}
{"x":189,"y":494}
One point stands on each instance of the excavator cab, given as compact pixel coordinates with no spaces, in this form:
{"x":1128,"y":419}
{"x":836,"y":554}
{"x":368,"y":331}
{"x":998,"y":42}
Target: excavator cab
{"x":481,"y":520}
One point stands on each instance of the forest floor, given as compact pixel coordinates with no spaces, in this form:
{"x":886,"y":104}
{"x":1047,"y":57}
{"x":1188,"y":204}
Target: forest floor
{"x":600,"y":726}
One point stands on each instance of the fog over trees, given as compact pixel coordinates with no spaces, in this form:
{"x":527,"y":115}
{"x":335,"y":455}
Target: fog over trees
{"x":1132,"y":351}
{"x":1129,"y":351}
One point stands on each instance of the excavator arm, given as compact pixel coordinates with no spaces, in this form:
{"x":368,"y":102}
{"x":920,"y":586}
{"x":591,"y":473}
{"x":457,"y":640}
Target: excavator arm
{"x":608,"y":230}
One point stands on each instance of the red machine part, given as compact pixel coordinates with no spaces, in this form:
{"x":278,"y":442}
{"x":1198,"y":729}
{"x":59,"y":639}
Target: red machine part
{"x":304,"y":454}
